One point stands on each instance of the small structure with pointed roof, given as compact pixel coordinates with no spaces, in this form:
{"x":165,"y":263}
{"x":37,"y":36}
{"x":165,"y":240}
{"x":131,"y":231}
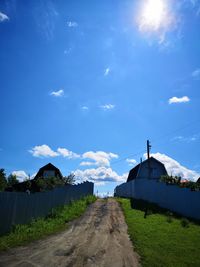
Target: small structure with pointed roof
{"x":149,"y":169}
{"x":49,"y":170}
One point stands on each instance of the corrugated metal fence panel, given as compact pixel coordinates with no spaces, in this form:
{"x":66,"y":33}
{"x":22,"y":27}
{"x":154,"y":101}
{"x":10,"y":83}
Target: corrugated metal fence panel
{"x":180,"y":200}
{"x":22,"y":208}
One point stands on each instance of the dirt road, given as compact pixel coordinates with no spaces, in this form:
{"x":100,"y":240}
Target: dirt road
{"x":98,"y":239}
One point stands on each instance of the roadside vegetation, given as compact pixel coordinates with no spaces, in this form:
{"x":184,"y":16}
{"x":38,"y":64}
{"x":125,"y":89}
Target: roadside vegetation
{"x":176,"y":180}
{"x":57,"y":220}
{"x":162,"y":240}
{"x":7,"y":181}
{"x":12,"y":184}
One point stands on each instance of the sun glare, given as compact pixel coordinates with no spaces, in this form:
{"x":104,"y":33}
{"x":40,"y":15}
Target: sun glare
{"x":154,"y":15}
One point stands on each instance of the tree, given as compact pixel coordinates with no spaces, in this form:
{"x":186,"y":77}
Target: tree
{"x":12,"y":180}
{"x":48,"y":183}
{"x":3,"y":181}
{"x":40,"y":182}
{"x":70,"y":179}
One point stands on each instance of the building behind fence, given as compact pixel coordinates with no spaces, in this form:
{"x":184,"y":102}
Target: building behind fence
{"x":21,"y":208}
{"x":180,"y":200}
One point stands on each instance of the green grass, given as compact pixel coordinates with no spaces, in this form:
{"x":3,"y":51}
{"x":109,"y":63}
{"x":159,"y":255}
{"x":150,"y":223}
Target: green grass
{"x":162,"y":243}
{"x":56,"y":221}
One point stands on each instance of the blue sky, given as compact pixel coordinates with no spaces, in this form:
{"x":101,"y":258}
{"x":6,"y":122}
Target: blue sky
{"x":84,"y":84}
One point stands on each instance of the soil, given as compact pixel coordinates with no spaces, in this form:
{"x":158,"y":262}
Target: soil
{"x":97,"y":239}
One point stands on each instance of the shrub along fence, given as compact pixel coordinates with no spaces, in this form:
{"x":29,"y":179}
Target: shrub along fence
{"x":22,"y":208}
{"x":180,"y":200}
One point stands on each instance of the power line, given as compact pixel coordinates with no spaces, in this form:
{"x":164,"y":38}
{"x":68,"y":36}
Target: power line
{"x":156,"y":141}
{"x":130,"y":155}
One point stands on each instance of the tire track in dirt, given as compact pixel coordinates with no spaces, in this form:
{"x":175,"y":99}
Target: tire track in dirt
{"x":97,"y":239}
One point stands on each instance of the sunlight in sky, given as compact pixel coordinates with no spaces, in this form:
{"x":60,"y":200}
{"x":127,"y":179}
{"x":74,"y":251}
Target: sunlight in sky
{"x":103,"y":77}
{"x":154,"y":15}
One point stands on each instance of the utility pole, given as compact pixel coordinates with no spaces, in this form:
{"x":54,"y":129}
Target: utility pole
{"x":148,"y":149}
{"x":148,"y":157}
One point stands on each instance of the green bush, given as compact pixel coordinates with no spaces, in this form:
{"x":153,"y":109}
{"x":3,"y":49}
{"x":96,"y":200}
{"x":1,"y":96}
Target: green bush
{"x":169,"y":179}
{"x":49,"y":183}
{"x":185,"y":223}
{"x":176,"y":180}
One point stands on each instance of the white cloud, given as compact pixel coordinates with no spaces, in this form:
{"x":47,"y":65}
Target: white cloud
{"x":72,"y":24}
{"x":85,"y":108}
{"x":67,"y":153}
{"x":99,"y":175}
{"x":21,"y":175}
{"x":103,"y":194}
{"x":3,"y":17}
{"x":131,"y":162}
{"x":196,"y":74}
{"x":195,"y":5}
{"x":58,"y":93}
{"x":107,"y":71}
{"x":175,"y":168}
{"x":100,"y":183}
{"x":43,"y":151}
{"x":186,"y":139}
{"x":45,"y":16}
{"x":33,"y":175}
{"x":99,"y":158}
{"x":175,"y":99}
{"x":68,"y":51}
{"x":87,"y":163}
{"x":107,"y":106}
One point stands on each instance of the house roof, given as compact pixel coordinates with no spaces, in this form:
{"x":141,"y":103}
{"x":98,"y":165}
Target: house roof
{"x":48,"y":167}
{"x":21,"y":187}
{"x":134,"y":172}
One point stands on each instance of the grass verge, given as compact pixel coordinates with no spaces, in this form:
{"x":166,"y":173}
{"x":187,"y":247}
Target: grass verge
{"x":162,"y":242}
{"x":57,"y":220}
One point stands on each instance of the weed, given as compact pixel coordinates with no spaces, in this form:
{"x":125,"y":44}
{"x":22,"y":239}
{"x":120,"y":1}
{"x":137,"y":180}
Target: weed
{"x":185,"y":223}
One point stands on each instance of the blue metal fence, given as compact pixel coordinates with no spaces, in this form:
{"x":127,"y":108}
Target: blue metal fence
{"x":22,"y":208}
{"x":180,"y":200}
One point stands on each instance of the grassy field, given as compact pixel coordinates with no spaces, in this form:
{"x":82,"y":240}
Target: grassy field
{"x":162,"y":240}
{"x":56,"y":221}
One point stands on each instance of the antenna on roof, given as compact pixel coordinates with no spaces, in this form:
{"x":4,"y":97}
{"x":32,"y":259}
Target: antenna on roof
{"x":148,"y":149}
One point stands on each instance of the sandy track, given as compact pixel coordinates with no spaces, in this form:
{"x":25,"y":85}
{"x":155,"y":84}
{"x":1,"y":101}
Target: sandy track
{"x":98,"y":239}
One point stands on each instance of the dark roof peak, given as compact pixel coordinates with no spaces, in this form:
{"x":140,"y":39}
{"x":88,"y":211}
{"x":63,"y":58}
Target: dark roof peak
{"x":151,"y":158}
{"x":155,"y":160}
{"x":48,"y":167}
{"x":49,"y":164}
